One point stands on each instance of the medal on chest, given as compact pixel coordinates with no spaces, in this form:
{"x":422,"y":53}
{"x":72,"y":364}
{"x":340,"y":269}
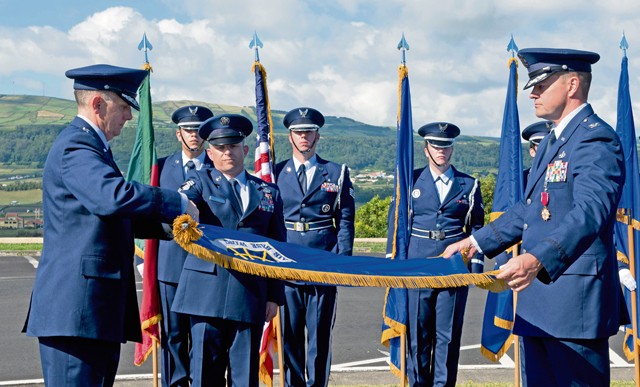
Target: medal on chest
{"x":544,"y":199}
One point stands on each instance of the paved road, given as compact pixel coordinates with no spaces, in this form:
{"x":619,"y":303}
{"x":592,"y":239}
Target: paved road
{"x":355,"y":345}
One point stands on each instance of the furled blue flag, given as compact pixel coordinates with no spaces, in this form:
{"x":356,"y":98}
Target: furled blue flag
{"x":395,"y":313}
{"x":498,"y":313}
{"x":629,"y":206}
{"x":265,"y":257}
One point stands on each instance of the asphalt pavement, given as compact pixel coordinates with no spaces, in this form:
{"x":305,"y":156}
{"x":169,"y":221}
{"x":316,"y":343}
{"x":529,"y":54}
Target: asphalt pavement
{"x":358,"y":356}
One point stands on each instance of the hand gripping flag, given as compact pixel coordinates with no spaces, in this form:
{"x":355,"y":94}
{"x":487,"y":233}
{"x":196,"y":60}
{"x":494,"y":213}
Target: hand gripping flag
{"x":627,"y":228}
{"x":395,"y":312}
{"x":143,"y":168}
{"x":498,"y":313}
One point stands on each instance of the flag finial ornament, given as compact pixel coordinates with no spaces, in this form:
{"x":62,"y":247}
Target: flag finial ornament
{"x":404,"y":47}
{"x":255,"y":44}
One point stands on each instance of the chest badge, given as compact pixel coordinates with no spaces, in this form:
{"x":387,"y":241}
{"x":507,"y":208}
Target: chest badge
{"x":416,"y":193}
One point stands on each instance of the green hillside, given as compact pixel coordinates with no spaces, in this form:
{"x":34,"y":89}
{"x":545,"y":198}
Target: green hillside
{"x":29,"y":125}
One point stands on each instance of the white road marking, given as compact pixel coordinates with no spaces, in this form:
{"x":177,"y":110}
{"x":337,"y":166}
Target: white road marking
{"x":32,"y":261}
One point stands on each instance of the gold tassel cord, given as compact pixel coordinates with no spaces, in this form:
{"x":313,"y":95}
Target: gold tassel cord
{"x":186,"y":232}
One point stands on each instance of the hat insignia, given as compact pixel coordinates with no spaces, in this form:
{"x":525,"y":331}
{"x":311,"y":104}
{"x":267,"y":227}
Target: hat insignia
{"x":193,"y":110}
{"x":224,"y":121}
{"x":303,"y":113}
{"x":443,"y":127}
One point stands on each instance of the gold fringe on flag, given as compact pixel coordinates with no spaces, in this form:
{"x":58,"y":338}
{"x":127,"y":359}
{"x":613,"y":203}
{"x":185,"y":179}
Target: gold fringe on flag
{"x":186,"y":232}
{"x":495,"y":357}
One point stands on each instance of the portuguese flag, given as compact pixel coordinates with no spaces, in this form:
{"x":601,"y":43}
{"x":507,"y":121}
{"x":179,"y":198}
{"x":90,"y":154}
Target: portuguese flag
{"x":143,"y":168}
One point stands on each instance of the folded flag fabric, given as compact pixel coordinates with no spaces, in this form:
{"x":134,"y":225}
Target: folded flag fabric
{"x":261,"y":256}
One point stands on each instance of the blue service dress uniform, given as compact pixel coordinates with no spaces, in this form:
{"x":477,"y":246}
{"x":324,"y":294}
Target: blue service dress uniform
{"x":324,"y":219}
{"x":227,"y":308}
{"x":436,"y":315}
{"x":576,"y":296}
{"x":85,"y":285}
{"x":171,"y":257}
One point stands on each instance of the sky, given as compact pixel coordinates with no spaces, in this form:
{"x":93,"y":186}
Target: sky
{"x":338,"y":56}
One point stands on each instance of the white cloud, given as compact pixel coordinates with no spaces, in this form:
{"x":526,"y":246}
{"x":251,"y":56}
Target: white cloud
{"x":338,"y":56}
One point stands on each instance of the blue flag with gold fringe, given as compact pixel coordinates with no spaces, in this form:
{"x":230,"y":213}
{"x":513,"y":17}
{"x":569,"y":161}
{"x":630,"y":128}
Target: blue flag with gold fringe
{"x":629,"y":206}
{"x":498,"y":313}
{"x":265,"y":257}
{"x":395,"y":313}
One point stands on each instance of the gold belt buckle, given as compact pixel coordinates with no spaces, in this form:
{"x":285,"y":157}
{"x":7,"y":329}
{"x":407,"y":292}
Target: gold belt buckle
{"x":300,"y":227}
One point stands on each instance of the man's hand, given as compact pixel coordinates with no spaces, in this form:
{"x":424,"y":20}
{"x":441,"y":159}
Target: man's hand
{"x":465,"y":246}
{"x":520,"y":271}
{"x":192,"y":210}
{"x":627,"y":279}
{"x":272,"y":309}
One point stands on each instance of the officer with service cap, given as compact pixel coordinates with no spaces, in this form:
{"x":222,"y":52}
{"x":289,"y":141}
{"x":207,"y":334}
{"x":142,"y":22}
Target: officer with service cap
{"x":447,"y":207}
{"x":566,"y":275}
{"x":84,"y":303}
{"x":228,"y":309}
{"x":175,"y":339}
{"x":534,"y":133}
{"x":319,"y":211}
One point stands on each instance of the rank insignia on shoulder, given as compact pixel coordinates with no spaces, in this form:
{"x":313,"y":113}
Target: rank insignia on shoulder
{"x":85,"y":130}
{"x":594,"y":125}
{"x":186,"y":185}
{"x":352,"y":193}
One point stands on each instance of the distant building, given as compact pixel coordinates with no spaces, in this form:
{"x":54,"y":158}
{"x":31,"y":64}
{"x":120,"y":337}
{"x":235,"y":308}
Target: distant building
{"x":11,"y":220}
{"x":373,"y":176}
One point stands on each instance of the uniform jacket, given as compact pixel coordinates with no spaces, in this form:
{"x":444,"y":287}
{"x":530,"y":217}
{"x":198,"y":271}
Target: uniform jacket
{"x":206,"y":289}
{"x":170,"y":255}
{"x":84,"y":284}
{"x":463,"y":204}
{"x":575,"y":246}
{"x":319,"y":203}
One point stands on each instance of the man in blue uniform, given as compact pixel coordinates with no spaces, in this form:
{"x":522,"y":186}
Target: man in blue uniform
{"x":447,"y":206}
{"x":534,"y":133}
{"x":566,"y":274}
{"x":227,"y":308}
{"x":173,"y":172}
{"x":319,"y":211}
{"x":84,"y":304}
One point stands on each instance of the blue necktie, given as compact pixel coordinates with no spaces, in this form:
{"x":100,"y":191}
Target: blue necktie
{"x":236,"y":191}
{"x":189,"y":166}
{"x":302,"y":178}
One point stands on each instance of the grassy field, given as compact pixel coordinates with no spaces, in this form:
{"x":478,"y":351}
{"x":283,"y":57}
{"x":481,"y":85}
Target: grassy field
{"x":33,"y":196}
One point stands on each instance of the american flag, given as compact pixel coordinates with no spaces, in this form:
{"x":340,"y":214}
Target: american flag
{"x":264,"y":169}
{"x":265,"y":158}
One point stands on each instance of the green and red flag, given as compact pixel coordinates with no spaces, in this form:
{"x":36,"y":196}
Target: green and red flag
{"x":143,"y":168}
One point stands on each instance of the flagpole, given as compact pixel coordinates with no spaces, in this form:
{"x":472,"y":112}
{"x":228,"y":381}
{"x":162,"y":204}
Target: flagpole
{"x":634,"y":303}
{"x":278,"y":325}
{"x":154,"y":354}
{"x":403,"y":46}
{"x":516,"y":339}
{"x":145,"y":46}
